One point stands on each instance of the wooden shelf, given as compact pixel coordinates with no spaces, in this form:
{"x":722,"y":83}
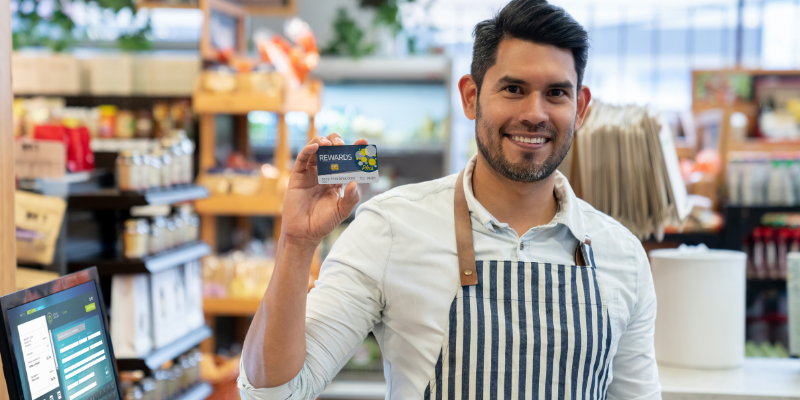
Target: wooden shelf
{"x":234,"y":103}
{"x":230,"y":307}
{"x":240,"y":205}
{"x":764,"y":145}
{"x":304,"y":99}
{"x":152,"y":264}
{"x":156,"y":358}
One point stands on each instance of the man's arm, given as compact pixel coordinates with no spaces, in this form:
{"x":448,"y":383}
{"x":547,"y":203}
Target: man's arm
{"x":275,"y":348}
{"x":635,"y":369}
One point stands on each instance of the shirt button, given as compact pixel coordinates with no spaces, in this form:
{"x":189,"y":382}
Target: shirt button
{"x":522,"y":246}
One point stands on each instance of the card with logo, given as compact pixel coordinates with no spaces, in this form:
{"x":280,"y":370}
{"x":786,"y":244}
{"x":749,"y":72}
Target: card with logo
{"x":342,"y":164}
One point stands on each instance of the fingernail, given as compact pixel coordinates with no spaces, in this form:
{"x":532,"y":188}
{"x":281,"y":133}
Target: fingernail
{"x":339,"y":140}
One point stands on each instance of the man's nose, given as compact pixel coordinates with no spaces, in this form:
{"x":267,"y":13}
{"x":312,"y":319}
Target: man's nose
{"x":533,"y":110}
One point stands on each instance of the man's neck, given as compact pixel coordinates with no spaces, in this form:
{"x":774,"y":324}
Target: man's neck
{"x":521,"y":205}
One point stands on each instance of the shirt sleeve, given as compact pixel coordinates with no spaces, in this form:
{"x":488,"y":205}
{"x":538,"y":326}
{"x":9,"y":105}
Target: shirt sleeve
{"x":635,"y":372}
{"x":341,"y":310}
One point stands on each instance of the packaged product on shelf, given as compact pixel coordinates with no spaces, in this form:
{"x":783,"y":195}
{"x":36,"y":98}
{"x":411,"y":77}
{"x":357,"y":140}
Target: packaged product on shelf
{"x":793,"y":302}
{"x":161,"y":377}
{"x":188,"y":164}
{"x":165,"y":300}
{"x":136,"y":238}
{"x":193,"y":280}
{"x":237,"y":275}
{"x":763,"y":178}
{"x":131,"y":172}
{"x":125,"y":124}
{"x":107,"y":124}
{"x":144,"y":124}
{"x":37,"y":220}
{"x":784,"y":236}
{"x":162,"y":121}
{"x":172,"y":232}
{"x":149,"y":389}
{"x":130,"y":306}
{"x":153,"y":162}
{"x":770,"y":252}
{"x":180,"y":231}
{"x":175,"y":168}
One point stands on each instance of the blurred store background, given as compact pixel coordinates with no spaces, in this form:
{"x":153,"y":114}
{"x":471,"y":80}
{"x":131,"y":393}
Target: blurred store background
{"x":180,"y":119}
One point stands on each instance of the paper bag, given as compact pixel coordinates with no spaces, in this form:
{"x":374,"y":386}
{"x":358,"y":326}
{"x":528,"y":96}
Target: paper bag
{"x":130,"y":315}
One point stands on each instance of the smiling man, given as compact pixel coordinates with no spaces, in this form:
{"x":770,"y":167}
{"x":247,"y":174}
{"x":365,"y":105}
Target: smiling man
{"x":493,"y":283}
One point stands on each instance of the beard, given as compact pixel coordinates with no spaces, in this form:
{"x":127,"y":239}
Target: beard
{"x":527,"y":170}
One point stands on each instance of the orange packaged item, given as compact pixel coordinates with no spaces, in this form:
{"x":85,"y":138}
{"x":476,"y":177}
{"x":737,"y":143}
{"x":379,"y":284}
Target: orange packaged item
{"x":108,"y":122}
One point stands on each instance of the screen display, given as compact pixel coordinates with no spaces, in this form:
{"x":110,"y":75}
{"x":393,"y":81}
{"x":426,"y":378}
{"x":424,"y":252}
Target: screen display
{"x":61,"y":347}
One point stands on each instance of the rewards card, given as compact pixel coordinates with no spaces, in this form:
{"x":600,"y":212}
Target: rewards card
{"x":342,"y":164}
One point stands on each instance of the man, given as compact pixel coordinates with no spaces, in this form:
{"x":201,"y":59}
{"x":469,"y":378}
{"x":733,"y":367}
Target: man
{"x":496,"y":283}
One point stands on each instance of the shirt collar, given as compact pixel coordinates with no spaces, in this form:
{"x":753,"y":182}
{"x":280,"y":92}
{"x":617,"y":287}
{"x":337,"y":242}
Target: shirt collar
{"x":568,"y":208}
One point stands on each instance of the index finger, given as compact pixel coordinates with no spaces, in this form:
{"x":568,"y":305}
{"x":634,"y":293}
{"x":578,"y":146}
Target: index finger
{"x":306,"y":154}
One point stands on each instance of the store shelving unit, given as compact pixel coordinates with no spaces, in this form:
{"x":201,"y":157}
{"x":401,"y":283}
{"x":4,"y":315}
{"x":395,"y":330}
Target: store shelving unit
{"x":199,"y":391}
{"x":113,"y":199}
{"x":156,"y":358}
{"x":151,"y":264}
{"x":268,"y":202}
{"x":727,"y":143}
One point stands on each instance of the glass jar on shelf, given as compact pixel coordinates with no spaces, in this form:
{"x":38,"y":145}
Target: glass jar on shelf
{"x":136,"y":237}
{"x":149,"y":389}
{"x":129,"y":171}
{"x":153,"y":171}
{"x":170,"y":149}
{"x":170,"y":237}
{"x":157,"y":234}
{"x":180,"y":231}
{"x":187,"y":148}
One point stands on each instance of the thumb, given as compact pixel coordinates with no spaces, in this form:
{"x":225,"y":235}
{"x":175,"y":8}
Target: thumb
{"x":349,"y":200}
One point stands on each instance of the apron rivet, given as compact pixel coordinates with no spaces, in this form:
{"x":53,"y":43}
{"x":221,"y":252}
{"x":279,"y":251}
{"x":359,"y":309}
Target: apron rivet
{"x":467,"y":272}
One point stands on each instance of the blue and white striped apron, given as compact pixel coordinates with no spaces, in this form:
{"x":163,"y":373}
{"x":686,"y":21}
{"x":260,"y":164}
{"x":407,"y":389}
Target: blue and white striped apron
{"x":525,"y":330}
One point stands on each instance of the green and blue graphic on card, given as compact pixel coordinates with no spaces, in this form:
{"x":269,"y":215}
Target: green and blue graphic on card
{"x":342,"y":164}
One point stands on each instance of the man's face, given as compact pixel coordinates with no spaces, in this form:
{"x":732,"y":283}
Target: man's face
{"x":528,"y":110}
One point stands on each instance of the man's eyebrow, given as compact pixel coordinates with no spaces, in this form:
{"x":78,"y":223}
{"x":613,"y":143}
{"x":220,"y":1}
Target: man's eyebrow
{"x":562,"y":85}
{"x":510,"y":80}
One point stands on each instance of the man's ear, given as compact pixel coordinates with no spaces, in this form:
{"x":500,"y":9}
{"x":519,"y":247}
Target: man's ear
{"x":469,"y":95}
{"x":584,"y":98}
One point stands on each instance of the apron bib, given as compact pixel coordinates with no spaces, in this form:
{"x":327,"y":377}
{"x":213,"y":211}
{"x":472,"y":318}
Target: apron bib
{"x":522,"y":330}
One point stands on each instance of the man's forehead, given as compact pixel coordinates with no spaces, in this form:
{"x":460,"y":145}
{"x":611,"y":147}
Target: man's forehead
{"x":533,"y":62}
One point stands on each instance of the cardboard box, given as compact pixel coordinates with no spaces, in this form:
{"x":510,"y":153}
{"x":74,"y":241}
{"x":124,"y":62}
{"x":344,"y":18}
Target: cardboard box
{"x":109,"y":74}
{"x":165,"y":76}
{"x":39,"y":159}
{"x":45,"y":73}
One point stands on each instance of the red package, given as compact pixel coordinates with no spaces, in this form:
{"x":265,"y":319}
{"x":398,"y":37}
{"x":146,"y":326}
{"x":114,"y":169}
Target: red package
{"x":79,"y":153}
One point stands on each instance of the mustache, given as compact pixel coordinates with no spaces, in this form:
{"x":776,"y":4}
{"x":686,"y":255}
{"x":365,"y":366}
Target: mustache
{"x":530,"y":128}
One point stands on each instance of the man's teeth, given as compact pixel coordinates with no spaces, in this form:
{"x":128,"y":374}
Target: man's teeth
{"x":523,"y":139}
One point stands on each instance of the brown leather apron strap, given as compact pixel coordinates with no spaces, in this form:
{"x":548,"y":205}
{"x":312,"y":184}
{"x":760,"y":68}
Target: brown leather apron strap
{"x":464,"y":245}
{"x":466,"y":251}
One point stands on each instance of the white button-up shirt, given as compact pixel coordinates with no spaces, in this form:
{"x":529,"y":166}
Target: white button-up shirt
{"x":394,"y":271}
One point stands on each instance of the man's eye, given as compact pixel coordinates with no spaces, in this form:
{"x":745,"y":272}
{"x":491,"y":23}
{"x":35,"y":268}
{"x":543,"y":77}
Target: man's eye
{"x":557,"y":92}
{"x":514,"y":89}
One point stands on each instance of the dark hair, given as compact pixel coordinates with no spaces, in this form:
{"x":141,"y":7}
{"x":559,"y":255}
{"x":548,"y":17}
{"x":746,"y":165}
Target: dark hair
{"x":533,"y":21}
